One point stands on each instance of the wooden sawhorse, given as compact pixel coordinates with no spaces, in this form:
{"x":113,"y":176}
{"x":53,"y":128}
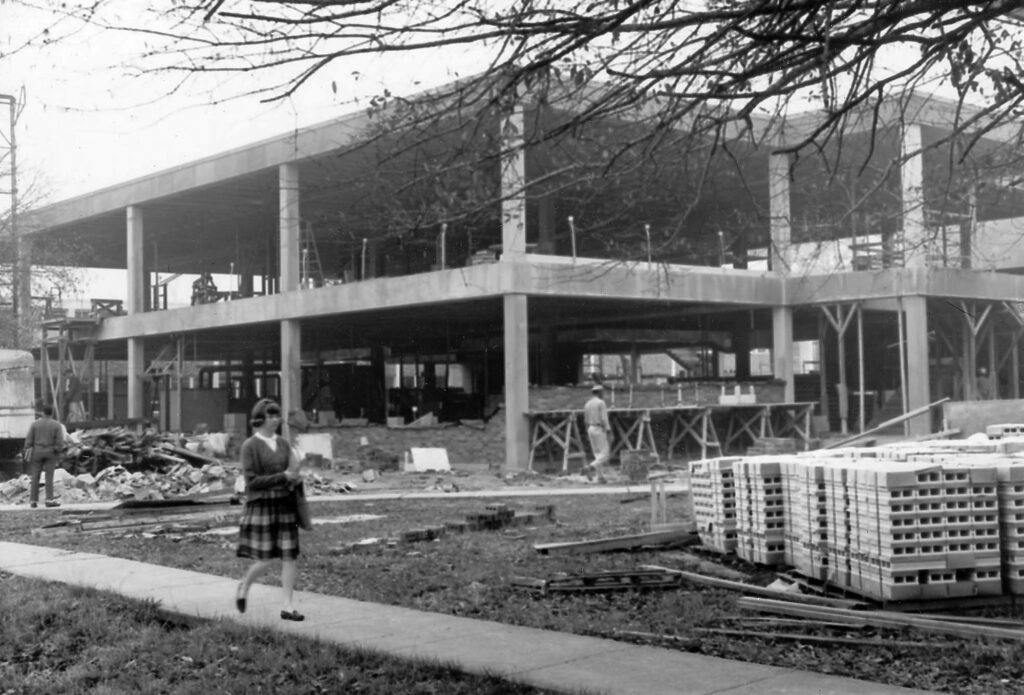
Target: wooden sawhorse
{"x":559,"y":428}
{"x":693,"y":422}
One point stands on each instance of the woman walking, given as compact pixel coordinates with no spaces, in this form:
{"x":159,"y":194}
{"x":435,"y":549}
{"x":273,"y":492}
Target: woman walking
{"x":269,"y":528}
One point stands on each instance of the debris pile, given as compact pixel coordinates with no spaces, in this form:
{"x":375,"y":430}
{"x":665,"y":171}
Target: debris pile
{"x":91,"y":451}
{"x":494,"y":517}
{"x":117,"y":482}
{"x":117,"y":463}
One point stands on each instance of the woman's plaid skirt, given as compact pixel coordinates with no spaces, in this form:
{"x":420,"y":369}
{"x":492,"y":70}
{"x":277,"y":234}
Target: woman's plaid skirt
{"x":269,"y":528}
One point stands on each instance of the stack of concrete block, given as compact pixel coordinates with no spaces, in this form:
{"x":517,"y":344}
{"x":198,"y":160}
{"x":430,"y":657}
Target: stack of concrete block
{"x":909,"y":522}
{"x":713,"y":491}
{"x":760,"y":510}
{"x":806,"y":528}
{"x":1010,"y":493}
{"x":920,"y":531}
{"x":1003,"y":430}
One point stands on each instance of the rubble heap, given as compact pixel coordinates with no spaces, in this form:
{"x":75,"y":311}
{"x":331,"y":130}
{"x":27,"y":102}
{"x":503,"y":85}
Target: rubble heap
{"x":116,"y":463}
{"x":117,"y":482}
{"x":92,"y":451}
{"x":176,"y":479}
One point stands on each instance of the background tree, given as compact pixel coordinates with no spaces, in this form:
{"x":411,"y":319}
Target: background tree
{"x":20,"y":191}
{"x":644,"y":77}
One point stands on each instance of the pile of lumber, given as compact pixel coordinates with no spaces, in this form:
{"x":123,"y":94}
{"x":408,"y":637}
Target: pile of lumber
{"x":90,"y":451}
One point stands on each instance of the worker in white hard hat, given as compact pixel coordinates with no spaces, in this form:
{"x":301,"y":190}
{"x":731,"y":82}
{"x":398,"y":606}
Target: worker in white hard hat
{"x":599,"y":431}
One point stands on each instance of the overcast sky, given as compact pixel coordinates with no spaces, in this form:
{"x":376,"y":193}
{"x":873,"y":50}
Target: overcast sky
{"x":87,"y":122}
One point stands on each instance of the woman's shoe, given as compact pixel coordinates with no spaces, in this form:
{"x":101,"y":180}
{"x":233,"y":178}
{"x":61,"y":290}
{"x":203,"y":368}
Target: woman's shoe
{"x":239,"y":599}
{"x":292,"y":615}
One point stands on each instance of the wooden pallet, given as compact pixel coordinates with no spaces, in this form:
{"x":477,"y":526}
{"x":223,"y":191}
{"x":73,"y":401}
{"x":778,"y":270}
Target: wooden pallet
{"x":601,"y":581}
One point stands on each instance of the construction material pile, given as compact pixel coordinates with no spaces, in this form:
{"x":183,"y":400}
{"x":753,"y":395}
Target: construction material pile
{"x":909,"y":521}
{"x":93,"y":450}
{"x":116,"y":463}
{"x":117,"y":482}
{"x":166,"y":481}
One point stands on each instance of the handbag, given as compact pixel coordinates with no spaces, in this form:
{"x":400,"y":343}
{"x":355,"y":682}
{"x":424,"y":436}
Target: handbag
{"x":302,"y":515}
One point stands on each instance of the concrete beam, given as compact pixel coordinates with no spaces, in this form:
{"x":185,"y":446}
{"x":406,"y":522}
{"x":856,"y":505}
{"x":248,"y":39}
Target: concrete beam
{"x":896,"y":282}
{"x":924,"y":109}
{"x":306,"y":143}
{"x":561,"y":278}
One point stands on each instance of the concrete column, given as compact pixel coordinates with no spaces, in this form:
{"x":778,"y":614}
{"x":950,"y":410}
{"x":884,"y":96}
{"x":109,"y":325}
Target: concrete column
{"x":110,"y":394}
{"x":289,"y":227}
{"x":136,"y":368}
{"x":782,"y":349}
{"x":916,"y":246}
{"x":135,"y":302}
{"x":291,"y":369}
{"x":781,"y":251}
{"x":23,"y":289}
{"x":918,"y":385}
{"x":546,"y":225}
{"x":513,"y":185}
{"x":741,"y":344}
{"x":1015,"y":365}
{"x":517,"y":386}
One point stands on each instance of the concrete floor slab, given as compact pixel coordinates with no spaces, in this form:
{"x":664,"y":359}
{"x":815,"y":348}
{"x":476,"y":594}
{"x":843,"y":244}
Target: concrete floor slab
{"x":553,"y":660}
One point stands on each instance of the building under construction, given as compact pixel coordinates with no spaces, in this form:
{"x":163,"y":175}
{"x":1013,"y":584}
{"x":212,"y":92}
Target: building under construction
{"x":475,"y":270}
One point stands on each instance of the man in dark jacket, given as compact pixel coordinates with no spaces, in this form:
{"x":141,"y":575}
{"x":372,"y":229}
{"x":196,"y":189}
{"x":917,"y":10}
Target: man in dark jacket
{"x":42,"y":446}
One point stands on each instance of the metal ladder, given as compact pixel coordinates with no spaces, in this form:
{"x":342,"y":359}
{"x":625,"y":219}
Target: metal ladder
{"x":311,"y":273}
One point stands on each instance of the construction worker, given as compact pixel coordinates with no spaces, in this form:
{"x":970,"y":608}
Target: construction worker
{"x":42,"y":447}
{"x":599,"y":431}
{"x":983,"y":385}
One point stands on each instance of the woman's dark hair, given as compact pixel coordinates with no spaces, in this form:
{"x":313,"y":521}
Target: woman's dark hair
{"x":259,"y":411}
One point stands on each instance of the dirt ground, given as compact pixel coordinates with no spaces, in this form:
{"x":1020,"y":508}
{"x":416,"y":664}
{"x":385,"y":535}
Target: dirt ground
{"x":466,"y":478}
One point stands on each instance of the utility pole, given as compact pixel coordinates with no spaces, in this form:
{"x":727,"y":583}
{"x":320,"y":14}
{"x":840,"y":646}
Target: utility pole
{"x":9,"y":153}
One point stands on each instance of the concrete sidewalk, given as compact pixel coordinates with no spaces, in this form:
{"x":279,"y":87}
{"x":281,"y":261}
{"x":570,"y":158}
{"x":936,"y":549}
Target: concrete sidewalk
{"x":544,"y":658}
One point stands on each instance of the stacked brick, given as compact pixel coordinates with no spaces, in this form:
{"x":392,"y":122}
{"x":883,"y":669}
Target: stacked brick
{"x":899,"y":523}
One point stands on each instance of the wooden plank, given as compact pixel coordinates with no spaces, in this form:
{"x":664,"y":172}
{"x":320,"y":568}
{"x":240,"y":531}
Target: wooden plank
{"x":942,"y":434}
{"x":601,"y":545}
{"x":190,"y":455}
{"x":823,"y":639}
{"x":531,"y":583}
{"x":676,"y":639}
{"x":884,"y":619}
{"x":805,"y":623}
{"x":742,"y":587}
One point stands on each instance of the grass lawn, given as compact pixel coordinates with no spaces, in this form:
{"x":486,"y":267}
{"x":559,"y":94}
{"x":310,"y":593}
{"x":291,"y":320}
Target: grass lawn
{"x":58,"y":639}
{"x":470,"y":575}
